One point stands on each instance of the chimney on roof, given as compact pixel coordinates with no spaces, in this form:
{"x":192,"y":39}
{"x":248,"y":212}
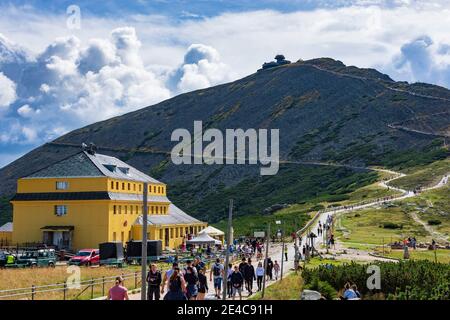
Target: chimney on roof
{"x":91,"y":148}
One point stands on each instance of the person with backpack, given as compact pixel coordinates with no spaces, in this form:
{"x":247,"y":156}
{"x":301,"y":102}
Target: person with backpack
{"x":249,"y":276}
{"x":217,"y":271}
{"x":176,"y":286}
{"x":154,"y":280}
{"x":237,"y":280}
{"x":167,"y":275}
{"x":189,"y":265}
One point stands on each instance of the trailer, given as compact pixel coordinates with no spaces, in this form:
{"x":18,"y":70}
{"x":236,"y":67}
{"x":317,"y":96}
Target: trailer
{"x":134,"y":251}
{"x":111,"y":254}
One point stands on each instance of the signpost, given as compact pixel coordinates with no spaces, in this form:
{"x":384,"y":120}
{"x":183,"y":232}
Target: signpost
{"x":278,"y":222}
{"x":227,"y":257}
{"x":266,"y":259}
{"x":144,"y":244}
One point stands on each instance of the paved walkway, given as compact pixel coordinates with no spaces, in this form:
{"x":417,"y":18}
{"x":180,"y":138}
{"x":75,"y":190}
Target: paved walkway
{"x":275,"y":249}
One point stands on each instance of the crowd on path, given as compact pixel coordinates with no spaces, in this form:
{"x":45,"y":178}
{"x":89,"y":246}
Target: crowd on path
{"x":191,"y":282}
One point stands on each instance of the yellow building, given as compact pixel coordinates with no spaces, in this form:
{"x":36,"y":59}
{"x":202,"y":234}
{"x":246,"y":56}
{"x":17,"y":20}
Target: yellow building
{"x":6,"y":234}
{"x":90,"y":198}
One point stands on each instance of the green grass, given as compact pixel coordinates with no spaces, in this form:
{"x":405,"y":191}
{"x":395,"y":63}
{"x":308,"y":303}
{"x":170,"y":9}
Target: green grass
{"x":287,"y":289}
{"x":433,"y":205}
{"x":423,"y":176}
{"x":367,"y":227}
{"x":443,"y":255}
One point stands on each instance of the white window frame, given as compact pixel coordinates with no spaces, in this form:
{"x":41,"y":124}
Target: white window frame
{"x":60,"y":210}
{"x":62,"y":185}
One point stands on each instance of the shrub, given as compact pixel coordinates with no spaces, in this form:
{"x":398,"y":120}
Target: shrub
{"x":323,"y":287}
{"x":391,"y":225}
{"x":434,"y":222}
{"x":413,"y":279}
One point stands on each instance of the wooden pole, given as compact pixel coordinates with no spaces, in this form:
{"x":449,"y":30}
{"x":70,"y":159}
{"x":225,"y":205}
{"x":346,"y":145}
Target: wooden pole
{"x":144,"y":244}
{"x":227,"y":256}
{"x":282,"y":252}
{"x":265,"y":260}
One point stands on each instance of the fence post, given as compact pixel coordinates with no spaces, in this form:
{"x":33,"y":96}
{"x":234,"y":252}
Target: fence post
{"x":65,"y":290}
{"x":32,"y":292}
{"x":103,"y":286}
{"x":135,"y":279}
{"x":92,"y":288}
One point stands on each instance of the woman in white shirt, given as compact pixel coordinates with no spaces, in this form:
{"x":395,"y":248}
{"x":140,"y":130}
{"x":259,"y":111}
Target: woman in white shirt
{"x":259,"y":275}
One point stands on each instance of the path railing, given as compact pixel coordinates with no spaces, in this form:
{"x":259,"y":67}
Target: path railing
{"x":87,"y":289}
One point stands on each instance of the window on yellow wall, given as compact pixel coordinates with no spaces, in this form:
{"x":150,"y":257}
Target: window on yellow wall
{"x":117,"y":186}
{"x":154,"y":189}
{"x":120,"y":209}
{"x":126,"y":209}
{"x":137,"y":209}
{"x":157,"y":209}
{"x":134,"y":186}
{"x":114,"y":236}
{"x":62,"y":185}
{"x":122,"y":236}
{"x":129,"y":186}
{"x":131,"y":209}
{"x":114,"y":209}
{"x":123,"y":185}
{"x":140,"y":188}
{"x":112,"y":185}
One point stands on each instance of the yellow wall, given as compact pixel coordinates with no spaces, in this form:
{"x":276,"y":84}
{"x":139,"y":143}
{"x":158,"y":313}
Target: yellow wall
{"x":94,"y":221}
{"x":175,"y":237}
{"x":5,"y":238}
{"x":89,"y":218}
{"x":36,"y":185}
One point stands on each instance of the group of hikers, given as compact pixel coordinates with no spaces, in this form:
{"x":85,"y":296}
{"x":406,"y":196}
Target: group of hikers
{"x":191,"y":282}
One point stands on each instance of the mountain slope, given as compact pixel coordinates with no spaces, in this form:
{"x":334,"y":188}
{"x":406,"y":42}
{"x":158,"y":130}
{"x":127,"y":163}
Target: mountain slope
{"x":325,"y":111}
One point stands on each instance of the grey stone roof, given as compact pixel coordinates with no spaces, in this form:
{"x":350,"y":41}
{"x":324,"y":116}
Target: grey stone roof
{"x":78,"y":165}
{"x":84,"y":164}
{"x":175,"y":216}
{"x":7,"y":227}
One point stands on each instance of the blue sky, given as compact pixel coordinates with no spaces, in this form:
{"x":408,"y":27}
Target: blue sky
{"x":130,"y":54}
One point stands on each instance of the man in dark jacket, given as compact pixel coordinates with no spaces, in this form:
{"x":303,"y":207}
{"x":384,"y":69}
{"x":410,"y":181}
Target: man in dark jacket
{"x":249,"y":276}
{"x":154,"y":280}
{"x":237,"y":280}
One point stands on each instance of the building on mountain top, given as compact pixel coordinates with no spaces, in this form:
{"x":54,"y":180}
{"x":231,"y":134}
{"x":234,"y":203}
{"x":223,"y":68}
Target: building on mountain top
{"x":280,"y":60}
{"x":90,"y":198}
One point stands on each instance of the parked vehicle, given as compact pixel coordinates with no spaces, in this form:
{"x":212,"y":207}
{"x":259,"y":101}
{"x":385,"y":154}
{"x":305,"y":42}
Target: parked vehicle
{"x":86,"y":257}
{"x":32,"y":258}
{"x":111,"y":253}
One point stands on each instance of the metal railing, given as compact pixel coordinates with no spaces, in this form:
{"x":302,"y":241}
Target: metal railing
{"x":94,"y":286}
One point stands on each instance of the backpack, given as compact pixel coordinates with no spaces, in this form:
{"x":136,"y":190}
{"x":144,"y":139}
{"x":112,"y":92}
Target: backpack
{"x":216,"y":270}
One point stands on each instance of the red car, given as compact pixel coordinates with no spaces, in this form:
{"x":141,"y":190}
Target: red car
{"x":86,"y":257}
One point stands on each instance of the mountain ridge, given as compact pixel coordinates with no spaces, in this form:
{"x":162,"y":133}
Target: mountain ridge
{"x":325,"y":111}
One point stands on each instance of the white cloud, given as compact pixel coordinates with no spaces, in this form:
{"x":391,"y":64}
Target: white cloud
{"x":7,"y":91}
{"x":201,"y":68}
{"x":92,"y":74}
{"x":422,"y":60}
